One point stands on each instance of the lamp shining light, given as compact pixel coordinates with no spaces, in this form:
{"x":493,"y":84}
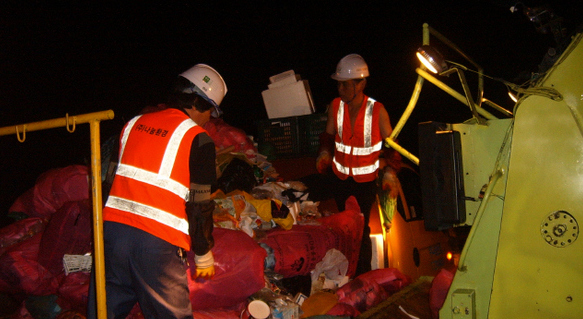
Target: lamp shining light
{"x":512,"y":96}
{"x":432,"y":59}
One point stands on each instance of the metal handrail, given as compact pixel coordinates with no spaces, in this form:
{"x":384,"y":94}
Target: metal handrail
{"x":70,"y":122}
{"x":462,"y":261}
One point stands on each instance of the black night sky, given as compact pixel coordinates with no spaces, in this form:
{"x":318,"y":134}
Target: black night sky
{"x":75,"y":57}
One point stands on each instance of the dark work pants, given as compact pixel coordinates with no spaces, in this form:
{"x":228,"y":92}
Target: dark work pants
{"x":325,"y":186}
{"x":141,"y":268}
{"x":365,"y":194}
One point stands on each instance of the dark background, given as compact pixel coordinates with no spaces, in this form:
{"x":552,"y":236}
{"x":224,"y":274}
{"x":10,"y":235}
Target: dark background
{"x":67,"y":57}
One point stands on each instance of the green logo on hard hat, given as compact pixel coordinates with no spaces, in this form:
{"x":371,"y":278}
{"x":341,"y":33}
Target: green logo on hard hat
{"x":206,"y":79}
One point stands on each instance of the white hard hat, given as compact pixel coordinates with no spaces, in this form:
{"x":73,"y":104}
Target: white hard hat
{"x":351,"y":67}
{"x":208,"y":83}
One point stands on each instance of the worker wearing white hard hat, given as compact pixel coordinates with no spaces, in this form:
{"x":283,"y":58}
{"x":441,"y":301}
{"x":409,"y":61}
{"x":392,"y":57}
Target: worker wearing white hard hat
{"x":207,"y":83}
{"x":351,"y":67}
{"x":159,"y":206}
{"x":351,"y":146}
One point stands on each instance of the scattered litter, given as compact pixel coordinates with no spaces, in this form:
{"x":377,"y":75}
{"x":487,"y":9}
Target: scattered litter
{"x":75,"y":263}
{"x":408,"y":314}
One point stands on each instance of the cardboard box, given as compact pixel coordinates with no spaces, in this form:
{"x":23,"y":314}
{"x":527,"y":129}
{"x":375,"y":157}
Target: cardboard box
{"x":288,"y":100}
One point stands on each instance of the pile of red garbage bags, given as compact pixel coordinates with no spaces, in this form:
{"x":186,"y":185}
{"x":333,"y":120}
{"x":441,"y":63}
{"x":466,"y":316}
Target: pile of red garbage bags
{"x":59,"y":222}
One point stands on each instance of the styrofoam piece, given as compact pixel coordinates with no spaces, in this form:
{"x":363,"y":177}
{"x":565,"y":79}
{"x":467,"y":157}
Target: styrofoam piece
{"x":288,"y":100}
{"x":282,"y":76}
{"x":285,"y":81}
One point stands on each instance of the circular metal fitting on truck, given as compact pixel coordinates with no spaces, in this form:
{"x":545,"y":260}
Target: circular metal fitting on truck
{"x":559,"y":229}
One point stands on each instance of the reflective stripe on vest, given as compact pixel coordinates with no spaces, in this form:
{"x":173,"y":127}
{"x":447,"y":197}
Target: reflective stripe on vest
{"x":357,"y":170}
{"x":366,"y":150}
{"x":148,"y":212}
{"x":161,"y":179}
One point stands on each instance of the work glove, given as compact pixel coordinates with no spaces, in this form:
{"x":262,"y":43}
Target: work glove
{"x":325,"y":151}
{"x":205,"y":265}
{"x":323,"y":162}
{"x":390,"y":182}
{"x":200,"y":229}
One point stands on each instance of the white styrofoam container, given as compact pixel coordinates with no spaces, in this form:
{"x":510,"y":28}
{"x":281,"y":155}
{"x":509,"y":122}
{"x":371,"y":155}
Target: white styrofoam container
{"x":289,"y":100}
{"x":282,"y":76}
{"x":285,"y":81}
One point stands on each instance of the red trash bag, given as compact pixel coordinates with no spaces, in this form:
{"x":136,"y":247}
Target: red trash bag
{"x":221,"y":313}
{"x":19,"y":231}
{"x":68,"y":232}
{"x":21,"y":272}
{"x":225,"y":135}
{"x":438,"y":291}
{"x":73,"y":294}
{"x":239,"y":266}
{"x":297,"y":251}
{"x":52,"y":189}
{"x":390,"y":279}
{"x":348,"y":227}
{"x":371,"y":288}
{"x":343,"y":310}
{"x":361,"y":294}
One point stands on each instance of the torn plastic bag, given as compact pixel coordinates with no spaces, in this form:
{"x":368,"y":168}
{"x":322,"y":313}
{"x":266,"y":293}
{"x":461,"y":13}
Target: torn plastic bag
{"x":334,"y":266}
{"x":273,"y":209}
{"x":238,"y":175}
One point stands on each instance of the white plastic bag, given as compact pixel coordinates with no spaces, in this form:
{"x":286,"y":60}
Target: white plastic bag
{"x":330,"y":273}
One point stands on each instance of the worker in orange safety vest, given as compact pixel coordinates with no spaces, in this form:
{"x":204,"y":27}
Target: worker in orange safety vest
{"x":352,"y":145}
{"x":160,"y":202}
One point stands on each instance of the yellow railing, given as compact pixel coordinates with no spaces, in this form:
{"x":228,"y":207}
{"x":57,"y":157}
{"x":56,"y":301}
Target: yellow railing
{"x":70,"y":123}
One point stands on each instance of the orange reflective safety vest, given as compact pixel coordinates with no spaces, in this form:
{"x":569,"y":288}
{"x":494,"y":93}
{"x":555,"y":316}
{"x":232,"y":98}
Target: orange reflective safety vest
{"x":152,"y":181}
{"x":357,"y":148}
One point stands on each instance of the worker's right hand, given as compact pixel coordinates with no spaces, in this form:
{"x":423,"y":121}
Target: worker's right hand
{"x":323,"y":162}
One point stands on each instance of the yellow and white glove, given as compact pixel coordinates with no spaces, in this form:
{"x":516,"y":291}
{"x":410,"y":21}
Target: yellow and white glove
{"x":205,"y":265}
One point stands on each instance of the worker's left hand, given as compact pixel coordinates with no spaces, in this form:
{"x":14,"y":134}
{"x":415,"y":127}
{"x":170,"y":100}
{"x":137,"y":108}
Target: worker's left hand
{"x":390,"y":181}
{"x":205,"y":265}
{"x":206,"y":273}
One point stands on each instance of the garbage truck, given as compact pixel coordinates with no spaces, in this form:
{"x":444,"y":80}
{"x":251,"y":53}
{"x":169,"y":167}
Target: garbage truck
{"x":514,"y":178}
